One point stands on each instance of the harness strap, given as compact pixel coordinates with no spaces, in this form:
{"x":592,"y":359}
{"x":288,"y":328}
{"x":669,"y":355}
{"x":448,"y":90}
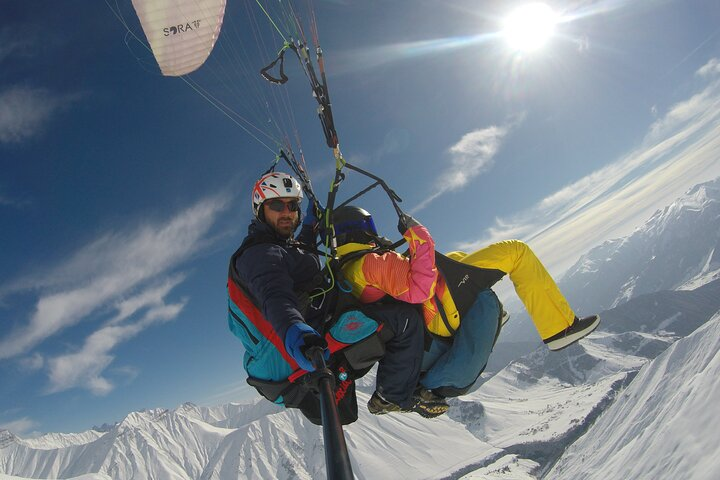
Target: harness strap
{"x":443,"y":315}
{"x":465,"y":281}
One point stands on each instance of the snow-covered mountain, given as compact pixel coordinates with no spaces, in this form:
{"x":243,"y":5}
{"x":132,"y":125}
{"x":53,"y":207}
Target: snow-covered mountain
{"x":149,"y":444}
{"x":629,"y":335}
{"x":677,"y":248}
{"x":664,"y":425}
{"x":634,"y":400}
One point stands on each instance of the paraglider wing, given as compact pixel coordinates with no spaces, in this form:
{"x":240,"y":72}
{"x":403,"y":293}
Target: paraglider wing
{"x":181,"y":33}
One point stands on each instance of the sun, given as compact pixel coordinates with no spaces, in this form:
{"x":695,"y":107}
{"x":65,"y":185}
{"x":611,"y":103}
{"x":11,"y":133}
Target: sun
{"x":530,"y":26}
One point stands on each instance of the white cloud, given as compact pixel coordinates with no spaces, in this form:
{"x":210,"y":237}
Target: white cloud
{"x":680,"y":150}
{"x":24,"y":112}
{"x":85,"y":367}
{"x":239,"y":392}
{"x":20,"y":426}
{"x":683,"y":112}
{"x":34,"y":362}
{"x":472,"y":155}
{"x":712,"y":67}
{"x":151,"y":297}
{"x":395,"y":143}
{"x":100,"y":273}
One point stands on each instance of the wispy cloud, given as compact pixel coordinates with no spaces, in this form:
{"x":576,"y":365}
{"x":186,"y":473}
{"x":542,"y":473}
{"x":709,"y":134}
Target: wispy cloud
{"x":20,"y":426}
{"x":680,"y":149}
{"x":472,"y":155}
{"x":25,"y":111}
{"x":107,"y":269}
{"x":33,"y":362}
{"x":16,"y":41}
{"x":710,"y":69}
{"x":85,"y":367}
{"x":239,"y":392}
{"x":152,"y":297}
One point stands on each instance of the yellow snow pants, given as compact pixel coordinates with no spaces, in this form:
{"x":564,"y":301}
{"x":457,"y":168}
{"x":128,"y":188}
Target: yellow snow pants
{"x":548,"y":308}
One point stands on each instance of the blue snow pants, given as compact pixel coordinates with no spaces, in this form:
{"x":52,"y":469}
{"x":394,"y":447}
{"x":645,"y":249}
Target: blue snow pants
{"x":460,"y":363}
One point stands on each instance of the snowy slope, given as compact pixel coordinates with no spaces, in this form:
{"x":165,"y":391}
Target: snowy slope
{"x":677,"y":312}
{"x":164,"y":444}
{"x":52,"y":441}
{"x":542,"y":402}
{"x":628,"y":336}
{"x":665,"y":425}
{"x":677,"y":248}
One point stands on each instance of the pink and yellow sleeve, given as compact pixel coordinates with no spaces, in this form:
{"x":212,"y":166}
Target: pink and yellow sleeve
{"x":411,"y":279}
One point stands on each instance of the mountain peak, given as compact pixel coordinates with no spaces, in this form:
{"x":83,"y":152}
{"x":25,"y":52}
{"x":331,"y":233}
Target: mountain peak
{"x":6,"y":438}
{"x":675,"y":247}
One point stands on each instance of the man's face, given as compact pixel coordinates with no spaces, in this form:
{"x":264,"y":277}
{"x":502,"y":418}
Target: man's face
{"x":282,"y":214}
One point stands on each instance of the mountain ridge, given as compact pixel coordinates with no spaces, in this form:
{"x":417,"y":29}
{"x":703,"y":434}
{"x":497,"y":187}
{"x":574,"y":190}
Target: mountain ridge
{"x":648,"y":260}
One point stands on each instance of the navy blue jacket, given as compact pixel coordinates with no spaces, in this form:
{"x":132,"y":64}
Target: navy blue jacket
{"x":277,"y":272}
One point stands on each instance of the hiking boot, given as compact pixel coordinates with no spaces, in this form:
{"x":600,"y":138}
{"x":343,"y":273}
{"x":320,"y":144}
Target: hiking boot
{"x":379,"y":406}
{"x":428,"y":404}
{"x":425,"y":403}
{"x":579,"y":329}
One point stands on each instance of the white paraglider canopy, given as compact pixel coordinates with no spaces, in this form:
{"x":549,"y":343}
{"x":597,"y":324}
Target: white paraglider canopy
{"x":181,"y":33}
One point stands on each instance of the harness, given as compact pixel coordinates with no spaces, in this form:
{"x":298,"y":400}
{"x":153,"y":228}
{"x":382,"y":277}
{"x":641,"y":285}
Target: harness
{"x":356,"y":342}
{"x":464,"y":283}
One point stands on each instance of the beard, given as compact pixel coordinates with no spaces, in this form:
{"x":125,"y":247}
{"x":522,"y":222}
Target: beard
{"x":286,"y":227}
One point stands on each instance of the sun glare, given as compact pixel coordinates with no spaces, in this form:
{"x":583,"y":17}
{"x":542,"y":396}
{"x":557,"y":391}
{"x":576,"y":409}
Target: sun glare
{"x":530,"y":26}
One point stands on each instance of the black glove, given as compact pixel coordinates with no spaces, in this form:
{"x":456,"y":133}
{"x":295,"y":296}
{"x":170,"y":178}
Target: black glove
{"x":315,"y":341}
{"x":405,"y":222}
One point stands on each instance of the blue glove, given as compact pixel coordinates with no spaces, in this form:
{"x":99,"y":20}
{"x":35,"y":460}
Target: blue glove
{"x":298,"y":338}
{"x":311,"y":214}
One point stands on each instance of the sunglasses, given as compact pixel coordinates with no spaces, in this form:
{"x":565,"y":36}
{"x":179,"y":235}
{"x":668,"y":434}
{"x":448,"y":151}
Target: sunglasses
{"x":277,"y":205}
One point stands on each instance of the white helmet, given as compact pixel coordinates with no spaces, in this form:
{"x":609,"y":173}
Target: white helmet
{"x":275,"y":185}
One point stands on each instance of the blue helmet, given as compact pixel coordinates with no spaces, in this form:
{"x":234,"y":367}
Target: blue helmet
{"x":353,"y":225}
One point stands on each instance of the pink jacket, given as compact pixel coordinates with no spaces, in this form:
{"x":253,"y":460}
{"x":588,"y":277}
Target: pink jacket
{"x":411,"y":280}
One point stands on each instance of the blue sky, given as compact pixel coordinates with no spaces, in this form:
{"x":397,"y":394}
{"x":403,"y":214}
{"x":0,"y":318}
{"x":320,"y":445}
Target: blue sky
{"x":124,"y":193}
